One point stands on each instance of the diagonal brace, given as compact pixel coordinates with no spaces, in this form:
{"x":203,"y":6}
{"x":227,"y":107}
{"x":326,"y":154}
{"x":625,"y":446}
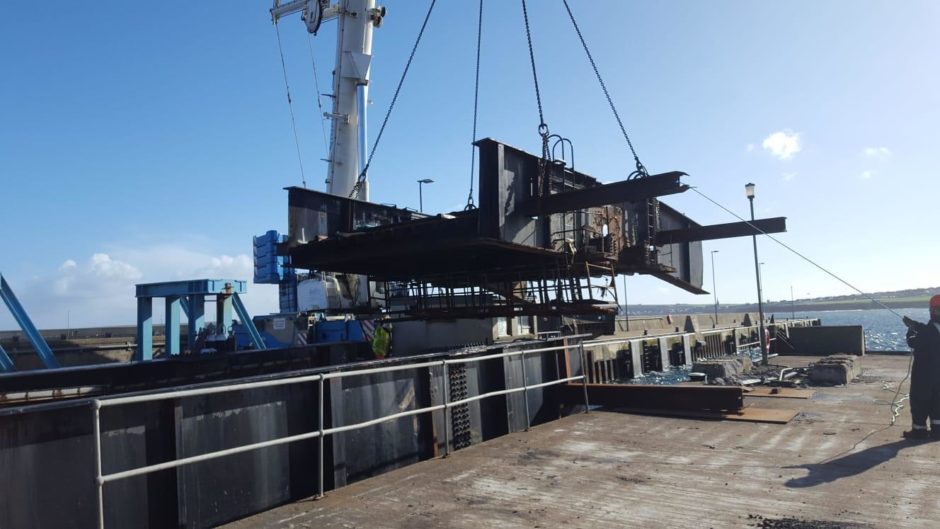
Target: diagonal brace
{"x":26,"y":324}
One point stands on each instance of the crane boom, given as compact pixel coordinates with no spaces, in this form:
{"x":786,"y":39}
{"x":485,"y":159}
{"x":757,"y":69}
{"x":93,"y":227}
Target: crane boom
{"x":348,"y":133}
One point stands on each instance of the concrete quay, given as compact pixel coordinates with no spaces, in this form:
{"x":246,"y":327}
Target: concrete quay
{"x":837,"y":464}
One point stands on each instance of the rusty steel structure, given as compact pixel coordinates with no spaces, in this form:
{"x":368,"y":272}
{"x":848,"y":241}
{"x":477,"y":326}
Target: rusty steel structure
{"x":545,"y":240}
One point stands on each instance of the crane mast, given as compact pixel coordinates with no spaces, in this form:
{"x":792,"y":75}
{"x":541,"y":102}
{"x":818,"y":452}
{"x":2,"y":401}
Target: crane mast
{"x":348,"y":133}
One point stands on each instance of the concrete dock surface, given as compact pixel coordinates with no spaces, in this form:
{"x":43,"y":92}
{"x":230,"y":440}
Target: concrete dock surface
{"x":837,"y":464}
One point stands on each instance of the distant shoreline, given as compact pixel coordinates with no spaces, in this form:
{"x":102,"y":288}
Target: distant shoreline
{"x":775,"y":307}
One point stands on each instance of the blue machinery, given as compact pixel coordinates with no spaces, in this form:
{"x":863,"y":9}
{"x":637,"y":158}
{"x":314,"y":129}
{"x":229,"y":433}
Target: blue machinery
{"x":26,"y":324}
{"x":274,"y":269}
{"x":190,"y":298}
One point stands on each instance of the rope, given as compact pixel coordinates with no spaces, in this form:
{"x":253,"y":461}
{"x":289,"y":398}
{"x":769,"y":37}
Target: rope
{"x":361,"y":178}
{"x":476,"y":100}
{"x":640,"y":169}
{"x":290,"y":105}
{"x":316,"y":84}
{"x":895,"y":403}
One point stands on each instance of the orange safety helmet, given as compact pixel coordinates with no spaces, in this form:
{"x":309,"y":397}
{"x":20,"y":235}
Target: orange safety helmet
{"x":935,"y":302}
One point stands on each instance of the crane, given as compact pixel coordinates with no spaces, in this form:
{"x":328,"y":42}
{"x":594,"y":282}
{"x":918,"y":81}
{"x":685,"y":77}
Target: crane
{"x":348,"y":132}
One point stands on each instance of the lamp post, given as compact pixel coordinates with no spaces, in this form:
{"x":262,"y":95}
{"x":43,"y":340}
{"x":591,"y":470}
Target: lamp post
{"x":420,"y":195}
{"x":715,"y":287}
{"x":792,"y":310}
{"x":749,"y":189}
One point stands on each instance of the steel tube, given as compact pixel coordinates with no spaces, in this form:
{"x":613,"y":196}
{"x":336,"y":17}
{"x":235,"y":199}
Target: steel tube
{"x":374,"y":370}
{"x":445,"y":395}
{"x":99,"y":483}
{"x":319,"y":434}
{"x":525,"y":393}
{"x":760,"y":303}
{"x":598,"y":343}
{"x":320,"y":444}
{"x":207,"y":456}
{"x":205,"y":391}
{"x":511,"y":390}
{"x":555,"y":382}
{"x":380,"y":420}
{"x":587,"y":404}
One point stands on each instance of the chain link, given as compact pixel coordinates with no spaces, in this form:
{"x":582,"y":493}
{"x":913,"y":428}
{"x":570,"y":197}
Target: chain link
{"x":640,"y":169}
{"x":476,"y":100}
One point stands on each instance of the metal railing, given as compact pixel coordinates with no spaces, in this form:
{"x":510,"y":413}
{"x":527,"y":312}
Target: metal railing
{"x":97,"y":404}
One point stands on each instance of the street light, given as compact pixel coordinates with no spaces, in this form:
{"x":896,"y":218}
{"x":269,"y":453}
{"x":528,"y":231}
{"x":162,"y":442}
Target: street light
{"x":715,"y":287}
{"x":792,"y":310}
{"x":420,"y":196}
{"x":749,"y":189}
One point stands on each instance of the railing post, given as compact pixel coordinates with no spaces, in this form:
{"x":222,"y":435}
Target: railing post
{"x":320,"y":443}
{"x":445,"y":398}
{"x":99,"y":484}
{"x":525,"y":391}
{"x":587,"y":404}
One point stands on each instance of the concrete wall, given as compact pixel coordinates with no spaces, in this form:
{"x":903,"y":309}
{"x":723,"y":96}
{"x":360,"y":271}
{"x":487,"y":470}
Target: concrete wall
{"x":826,"y":340}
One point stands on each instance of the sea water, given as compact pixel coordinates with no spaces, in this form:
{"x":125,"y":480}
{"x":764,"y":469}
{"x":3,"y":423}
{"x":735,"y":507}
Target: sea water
{"x":884,"y":330}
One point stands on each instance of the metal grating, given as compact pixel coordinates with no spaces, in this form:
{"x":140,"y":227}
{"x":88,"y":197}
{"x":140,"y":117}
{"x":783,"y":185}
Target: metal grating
{"x":459,"y":415}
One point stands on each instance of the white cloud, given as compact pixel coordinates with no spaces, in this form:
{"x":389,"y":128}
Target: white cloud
{"x":783,"y":144}
{"x":866,"y":175}
{"x":787,"y":177}
{"x":878,"y":153}
{"x":100,"y":289}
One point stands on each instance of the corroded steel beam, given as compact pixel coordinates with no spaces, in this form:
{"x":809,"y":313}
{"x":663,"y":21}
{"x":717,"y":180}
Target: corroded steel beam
{"x":650,"y":397}
{"x":723,"y":231}
{"x":603,"y":195}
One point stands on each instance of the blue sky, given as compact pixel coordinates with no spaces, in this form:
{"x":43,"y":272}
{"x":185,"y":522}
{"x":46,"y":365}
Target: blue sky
{"x":149,"y":142}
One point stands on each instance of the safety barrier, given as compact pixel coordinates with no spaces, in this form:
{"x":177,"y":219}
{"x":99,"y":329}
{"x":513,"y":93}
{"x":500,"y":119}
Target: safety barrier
{"x":642,"y":354}
{"x":322,"y":431}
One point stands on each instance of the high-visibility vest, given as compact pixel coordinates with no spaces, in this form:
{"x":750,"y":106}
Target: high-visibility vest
{"x":380,"y":342}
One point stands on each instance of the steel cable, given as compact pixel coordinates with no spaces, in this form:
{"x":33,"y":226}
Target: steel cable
{"x":378,"y":137}
{"x":895,"y":403}
{"x":290,"y":105}
{"x":640,"y":169}
{"x":316,"y":85}
{"x":476,"y":99}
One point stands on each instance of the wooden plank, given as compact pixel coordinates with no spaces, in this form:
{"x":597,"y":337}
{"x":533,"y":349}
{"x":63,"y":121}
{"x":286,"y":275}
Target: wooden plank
{"x":781,"y":393}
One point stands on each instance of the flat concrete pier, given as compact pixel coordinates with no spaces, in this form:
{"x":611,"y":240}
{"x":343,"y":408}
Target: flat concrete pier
{"x":836,"y":463}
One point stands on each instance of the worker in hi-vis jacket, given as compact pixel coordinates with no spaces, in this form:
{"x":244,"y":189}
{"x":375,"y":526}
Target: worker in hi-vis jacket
{"x":924,"y":339}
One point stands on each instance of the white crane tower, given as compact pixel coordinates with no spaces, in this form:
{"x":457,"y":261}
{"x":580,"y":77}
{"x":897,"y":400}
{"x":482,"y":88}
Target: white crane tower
{"x":348,"y":134}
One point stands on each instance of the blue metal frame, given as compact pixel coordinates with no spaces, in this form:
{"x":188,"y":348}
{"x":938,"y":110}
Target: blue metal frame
{"x":6,"y":363}
{"x":26,"y":324}
{"x":247,"y":322}
{"x":204,"y":287}
{"x":190,"y":298}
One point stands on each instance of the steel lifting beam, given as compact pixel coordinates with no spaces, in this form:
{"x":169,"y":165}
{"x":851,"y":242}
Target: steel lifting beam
{"x":604,"y":195}
{"x":26,"y":324}
{"x":652,"y":397}
{"x":723,"y":231}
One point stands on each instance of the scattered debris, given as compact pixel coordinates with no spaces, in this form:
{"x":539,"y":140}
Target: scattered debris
{"x":723,"y":368}
{"x":835,"y":370}
{"x":797,"y":523}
